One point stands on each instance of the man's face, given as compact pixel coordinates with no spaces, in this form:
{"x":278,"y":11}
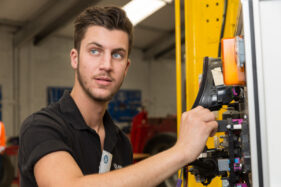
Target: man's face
{"x":102,"y":62}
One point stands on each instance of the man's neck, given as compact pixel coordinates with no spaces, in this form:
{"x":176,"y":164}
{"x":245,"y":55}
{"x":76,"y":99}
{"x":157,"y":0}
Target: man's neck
{"x":91,"y":110}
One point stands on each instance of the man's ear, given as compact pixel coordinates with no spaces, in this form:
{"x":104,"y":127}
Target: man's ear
{"x":74,"y":58}
{"x":127,"y":66}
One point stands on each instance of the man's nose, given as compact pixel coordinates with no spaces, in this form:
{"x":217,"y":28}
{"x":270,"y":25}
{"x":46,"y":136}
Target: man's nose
{"x":106,"y":62}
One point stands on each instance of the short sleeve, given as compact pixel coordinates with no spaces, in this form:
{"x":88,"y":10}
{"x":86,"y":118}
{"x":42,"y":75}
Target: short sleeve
{"x":38,"y":139}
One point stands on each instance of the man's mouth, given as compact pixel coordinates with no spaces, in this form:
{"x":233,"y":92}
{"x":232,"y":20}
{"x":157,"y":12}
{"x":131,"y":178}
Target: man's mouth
{"x":103,"y":80}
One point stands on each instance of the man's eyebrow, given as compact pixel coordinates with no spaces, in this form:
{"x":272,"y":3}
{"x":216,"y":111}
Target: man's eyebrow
{"x":101,"y":46}
{"x":95,"y":43}
{"x":119,"y":49}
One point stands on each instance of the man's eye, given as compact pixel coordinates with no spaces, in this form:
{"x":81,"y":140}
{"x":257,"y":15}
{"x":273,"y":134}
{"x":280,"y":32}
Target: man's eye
{"x":117,"y":55}
{"x":94,"y":51}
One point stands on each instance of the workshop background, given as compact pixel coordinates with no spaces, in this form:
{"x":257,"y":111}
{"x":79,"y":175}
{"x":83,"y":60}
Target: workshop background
{"x":35,"y":41}
{"x":36,"y":37}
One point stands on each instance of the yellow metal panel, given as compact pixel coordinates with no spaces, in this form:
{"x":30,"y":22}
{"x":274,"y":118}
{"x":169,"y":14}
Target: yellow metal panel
{"x":178,"y":61}
{"x":203,"y":25}
{"x":203,"y":21}
{"x":231,"y":18}
{"x":178,"y":65}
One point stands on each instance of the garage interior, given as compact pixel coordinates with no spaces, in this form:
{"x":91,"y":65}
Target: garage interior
{"x":37,"y":38}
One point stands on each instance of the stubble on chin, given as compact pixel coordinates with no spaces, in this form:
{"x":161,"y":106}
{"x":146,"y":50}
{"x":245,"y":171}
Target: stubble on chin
{"x":91,"y":94}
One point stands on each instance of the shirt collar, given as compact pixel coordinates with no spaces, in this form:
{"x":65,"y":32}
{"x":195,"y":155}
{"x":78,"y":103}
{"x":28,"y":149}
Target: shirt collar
{"x":71,"y":112}
{"x":75,"y":118}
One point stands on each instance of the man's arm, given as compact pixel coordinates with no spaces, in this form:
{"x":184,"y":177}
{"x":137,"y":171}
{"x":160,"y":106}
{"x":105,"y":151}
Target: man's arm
{"x":60,"y":169}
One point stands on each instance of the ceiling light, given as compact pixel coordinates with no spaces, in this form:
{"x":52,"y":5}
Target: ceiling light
{"x":138,"y":10}
{"x":168,"y":1}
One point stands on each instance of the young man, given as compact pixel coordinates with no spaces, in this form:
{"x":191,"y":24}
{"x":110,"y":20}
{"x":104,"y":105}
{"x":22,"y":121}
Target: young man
{"x":70,"y":142}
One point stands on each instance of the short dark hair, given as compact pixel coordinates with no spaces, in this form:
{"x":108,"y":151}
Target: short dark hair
{"x":108,"y":17}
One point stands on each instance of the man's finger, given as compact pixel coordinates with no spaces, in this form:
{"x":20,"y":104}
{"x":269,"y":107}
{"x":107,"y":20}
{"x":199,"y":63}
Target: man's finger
{"x":198,"y":108}
{"x":207,"y":116}
{"x":213,"y":125}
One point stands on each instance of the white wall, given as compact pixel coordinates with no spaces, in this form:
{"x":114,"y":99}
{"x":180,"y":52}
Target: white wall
{"x":157,"y":80}
{"x":48,"y":64}
{"x":41,"y":66}
{"x":6,"y":78}
{"x":162,"y":88}
{"x":138,"y":74}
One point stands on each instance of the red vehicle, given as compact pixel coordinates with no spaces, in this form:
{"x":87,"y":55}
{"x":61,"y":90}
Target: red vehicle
{"x":153,"y":135}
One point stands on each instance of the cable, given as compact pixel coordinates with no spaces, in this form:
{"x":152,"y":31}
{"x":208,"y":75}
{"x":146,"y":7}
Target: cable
{"x":179,"y":181}
{"x":223,"y":25}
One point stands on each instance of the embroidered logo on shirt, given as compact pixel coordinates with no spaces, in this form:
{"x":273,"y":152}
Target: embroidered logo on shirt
{"x":105,"y":162}
{"x":105,"y":159}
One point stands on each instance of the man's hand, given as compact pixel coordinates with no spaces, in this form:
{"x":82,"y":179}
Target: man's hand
{"x":196,"y":126}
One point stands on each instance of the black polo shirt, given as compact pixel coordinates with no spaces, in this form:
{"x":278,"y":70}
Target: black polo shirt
{"x":61,"y":127}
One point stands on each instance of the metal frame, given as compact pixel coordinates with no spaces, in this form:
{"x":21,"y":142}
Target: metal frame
{"x":262,"y":27}
{"x":250,"y":90}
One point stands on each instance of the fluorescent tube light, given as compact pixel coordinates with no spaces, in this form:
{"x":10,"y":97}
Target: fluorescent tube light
{"x":138,"y":10}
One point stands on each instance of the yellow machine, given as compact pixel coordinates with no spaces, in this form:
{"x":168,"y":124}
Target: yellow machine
{"x":241,"y":75}
{"x":206,"y":22}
